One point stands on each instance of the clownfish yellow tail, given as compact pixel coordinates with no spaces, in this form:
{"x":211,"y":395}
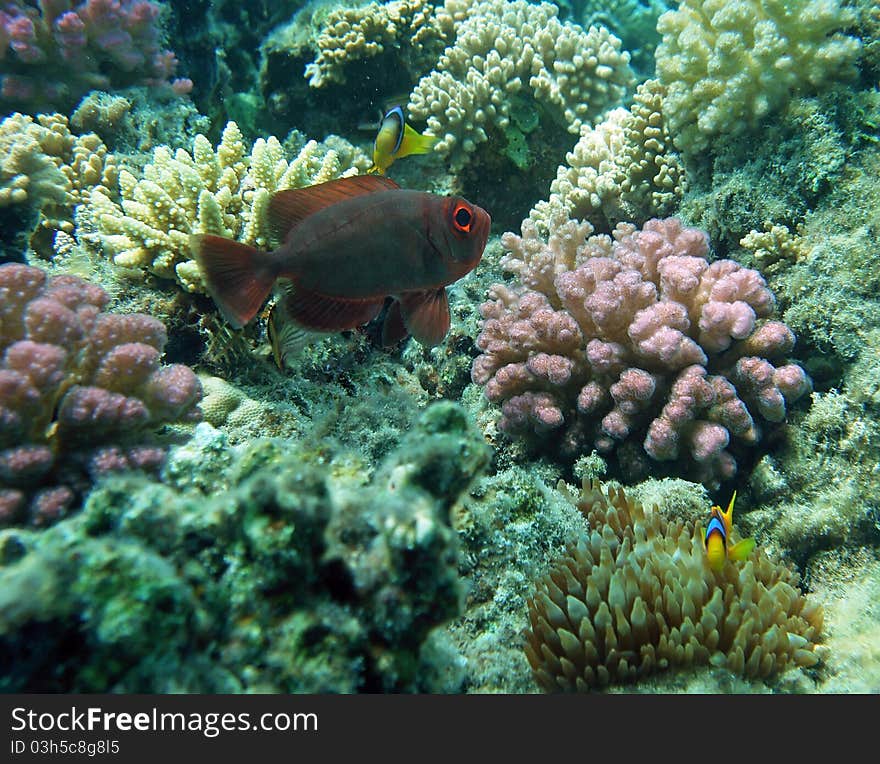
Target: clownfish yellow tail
{"x":741,"y":549}
{"x":415,"y":143}
{"x":727,"y":515}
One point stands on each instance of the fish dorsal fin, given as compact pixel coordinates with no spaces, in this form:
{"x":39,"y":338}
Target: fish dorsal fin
{"x":426,"y":315}
{"x":289,"y":208}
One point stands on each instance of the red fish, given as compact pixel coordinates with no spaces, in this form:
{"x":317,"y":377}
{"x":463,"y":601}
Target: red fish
{"x":347,"y":245}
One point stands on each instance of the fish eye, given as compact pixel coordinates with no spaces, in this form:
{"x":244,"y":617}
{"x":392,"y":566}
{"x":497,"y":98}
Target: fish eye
{"x":462,"y":218}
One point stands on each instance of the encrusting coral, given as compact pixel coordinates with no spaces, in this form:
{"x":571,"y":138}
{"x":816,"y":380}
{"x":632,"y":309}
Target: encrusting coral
{"x":636,"y":595}
{"x":729,"y":63}
{"x":636,"y":346}
{"x":504,"y":50}
{"x":624,"y":168}
{"x":223,"y":192}
{"x":78,"y":390}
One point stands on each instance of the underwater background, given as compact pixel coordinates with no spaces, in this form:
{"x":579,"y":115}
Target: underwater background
{"x":676,"y":320}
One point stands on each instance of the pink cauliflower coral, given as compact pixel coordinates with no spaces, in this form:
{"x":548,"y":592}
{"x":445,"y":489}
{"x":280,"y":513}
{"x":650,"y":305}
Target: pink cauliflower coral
{"x":52,"y":52}
{"x":79,"y":390}
{"x":637,"y":339}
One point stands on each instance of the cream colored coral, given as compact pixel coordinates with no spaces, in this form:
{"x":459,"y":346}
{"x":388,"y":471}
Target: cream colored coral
{"x":223,"y":192}
{"x":729,"y":63}
{"x":44,"y":165}
{"x":351,"y":34}
{"x":624,"y":168}
{"x":775,"y":247}
{"x":503,"y":48}
{"x":636,"y":595}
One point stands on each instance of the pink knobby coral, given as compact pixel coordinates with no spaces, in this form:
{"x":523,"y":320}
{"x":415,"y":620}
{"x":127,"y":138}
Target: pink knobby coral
{"x":635,"y":346}
{"x":52,"y":52}
{"x":79,"y":390}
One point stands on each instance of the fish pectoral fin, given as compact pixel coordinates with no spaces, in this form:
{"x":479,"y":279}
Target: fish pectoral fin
{"x":324,"y":313}
{"x":426,"y":315}
{"x":741,"y":549}
{"x":288,"y":208}
{"x":393,"y":328}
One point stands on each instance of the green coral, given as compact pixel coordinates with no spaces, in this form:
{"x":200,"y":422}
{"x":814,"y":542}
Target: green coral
{"x":300,"y":576}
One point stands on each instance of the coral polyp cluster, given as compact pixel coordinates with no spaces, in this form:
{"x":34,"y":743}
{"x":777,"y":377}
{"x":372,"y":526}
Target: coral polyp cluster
{"x":78,"y":390}
{"x":636,"y":595}
{"x":609,"y":344}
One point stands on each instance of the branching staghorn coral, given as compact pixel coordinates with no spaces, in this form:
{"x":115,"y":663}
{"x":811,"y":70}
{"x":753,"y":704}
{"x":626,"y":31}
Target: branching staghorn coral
{"x":729,"y":63}
{"x":223,"y":192}
{"x":636,"y":596}
{"x":504,"y":48}
{"x":624,"y":168}
{"x":351,"y":34}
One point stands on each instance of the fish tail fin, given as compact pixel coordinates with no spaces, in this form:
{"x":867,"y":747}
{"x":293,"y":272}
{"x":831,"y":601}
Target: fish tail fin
{"x":741,"y":549}
{"x":239,"y":277}
{"x":416,"y":143}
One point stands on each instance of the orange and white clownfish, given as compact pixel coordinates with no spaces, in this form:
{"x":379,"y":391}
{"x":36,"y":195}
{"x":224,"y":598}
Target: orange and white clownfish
{"x":397,"y":139}
{"x":717,"y":538}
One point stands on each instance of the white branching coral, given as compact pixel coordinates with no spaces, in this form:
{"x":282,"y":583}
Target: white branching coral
{"x":504,"y":48}
{"x":624,"y":168}
{"x":223,"y":192}
{"x":729,"y":63}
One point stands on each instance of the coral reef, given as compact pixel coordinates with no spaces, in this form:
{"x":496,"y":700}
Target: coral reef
{"x":305,"y":575}
{"x":609,"y":343}
{"x":635,"y":595}
{"x":53,"y":52}
{"x":79,"y":388}
{"x":633,"y":21}
{"x":45,"y":171}
{"x":728,"y":64}
{"x":224,"y":192}
{"x":623,"y":169}
{"x":510,"y":52}
{"x":410,"y":28}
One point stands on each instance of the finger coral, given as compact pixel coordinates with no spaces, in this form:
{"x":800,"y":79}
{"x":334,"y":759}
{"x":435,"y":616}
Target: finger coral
{"x":504,"y":51}
{"x":730,"y":63}
{"x":410,"y":27}
{"x":611,"y":343}
{"x":636,"y":596}
{"x":47,"y":170}
{"x":624,"y":168}
{"x":78,"y":388}
{"x":223,"y":191}
{"x":52,"y":53}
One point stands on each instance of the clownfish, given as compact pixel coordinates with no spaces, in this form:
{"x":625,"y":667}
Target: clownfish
{"x":717,"y":538}
{"x":397,"y":139}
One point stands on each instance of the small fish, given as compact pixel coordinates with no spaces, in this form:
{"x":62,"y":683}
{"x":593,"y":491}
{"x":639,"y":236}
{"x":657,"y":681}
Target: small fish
{"x":347,"y":245}
{"x":397,"y":139}
{"x":287,"y":339}
{"x":717,"y":538}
